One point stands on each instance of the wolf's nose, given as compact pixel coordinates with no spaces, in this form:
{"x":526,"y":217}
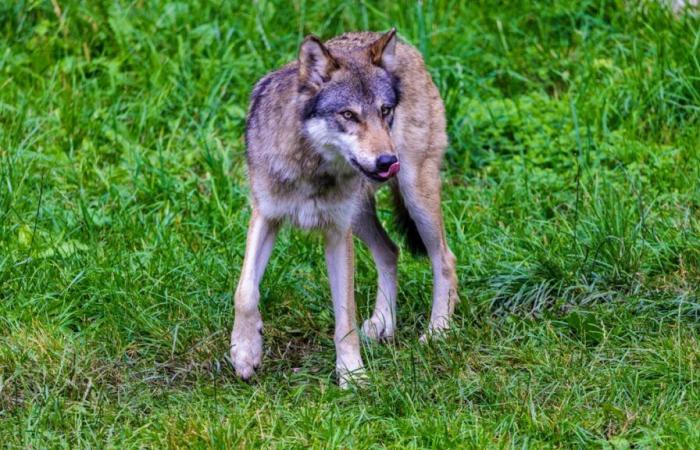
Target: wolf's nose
{"x":385,"y":161}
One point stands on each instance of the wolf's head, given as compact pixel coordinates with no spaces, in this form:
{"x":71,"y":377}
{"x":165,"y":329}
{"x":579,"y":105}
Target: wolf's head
{"x":352,"y":96}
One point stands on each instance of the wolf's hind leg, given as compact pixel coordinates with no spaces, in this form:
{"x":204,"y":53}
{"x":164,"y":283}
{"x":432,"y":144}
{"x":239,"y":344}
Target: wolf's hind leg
{"x":385,"y":253}
{"x":420,"y":189}
{"x":246,"y":337}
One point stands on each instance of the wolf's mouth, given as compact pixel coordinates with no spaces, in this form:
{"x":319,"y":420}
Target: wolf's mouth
{"x":377,"y":176}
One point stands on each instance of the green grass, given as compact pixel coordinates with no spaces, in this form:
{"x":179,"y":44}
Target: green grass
{"x":571,"y":197}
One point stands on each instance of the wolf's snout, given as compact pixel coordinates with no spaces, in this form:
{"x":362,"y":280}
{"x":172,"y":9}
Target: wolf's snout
{"x":387,"y":166}
{"x":385,"y":161}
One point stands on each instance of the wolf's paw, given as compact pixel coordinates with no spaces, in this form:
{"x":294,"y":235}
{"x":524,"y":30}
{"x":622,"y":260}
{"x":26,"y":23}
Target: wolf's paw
{"x":377,"y":329}
{"x":435,"y":331}
{"x":352,"y":378}
{"x":246,"y":352}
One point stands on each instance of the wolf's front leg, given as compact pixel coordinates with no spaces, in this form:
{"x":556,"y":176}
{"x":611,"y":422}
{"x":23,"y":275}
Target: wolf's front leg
{"x":369,"y":229}
{"x":340,"y":261}
{"x":246,"y":337}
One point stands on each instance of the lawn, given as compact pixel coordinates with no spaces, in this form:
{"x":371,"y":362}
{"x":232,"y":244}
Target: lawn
{"x":571,"y":200}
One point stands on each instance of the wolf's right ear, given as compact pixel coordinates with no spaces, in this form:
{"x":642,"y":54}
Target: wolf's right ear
{"x":316,"y":64}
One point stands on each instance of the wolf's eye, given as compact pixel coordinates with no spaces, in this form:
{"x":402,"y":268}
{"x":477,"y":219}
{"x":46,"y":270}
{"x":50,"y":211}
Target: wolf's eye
{"x":386,"y":110}
{"x":348,"y":115}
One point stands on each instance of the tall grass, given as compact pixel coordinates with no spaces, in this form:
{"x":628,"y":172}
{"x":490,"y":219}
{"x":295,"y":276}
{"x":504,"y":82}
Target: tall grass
{"x":571,"y":200}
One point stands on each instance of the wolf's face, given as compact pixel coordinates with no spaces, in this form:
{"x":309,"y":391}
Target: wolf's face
{"x":351,"y":110}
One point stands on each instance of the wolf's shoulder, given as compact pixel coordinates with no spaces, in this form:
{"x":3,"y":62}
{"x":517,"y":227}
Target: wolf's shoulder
{"x":352,"y":40}
{"x":283,"y":76}
{"x":357,"y":39}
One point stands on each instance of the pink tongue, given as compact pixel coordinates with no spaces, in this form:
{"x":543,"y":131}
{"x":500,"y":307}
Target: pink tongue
{"x":391,"y":172}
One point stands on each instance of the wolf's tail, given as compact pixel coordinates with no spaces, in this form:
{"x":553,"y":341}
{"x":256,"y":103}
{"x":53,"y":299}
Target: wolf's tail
{"x":406,"y":225}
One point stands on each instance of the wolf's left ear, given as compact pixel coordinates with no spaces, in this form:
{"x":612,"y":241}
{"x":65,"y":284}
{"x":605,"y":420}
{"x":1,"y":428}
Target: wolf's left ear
{"x":382,"y":52}
{"x":316,"y":64}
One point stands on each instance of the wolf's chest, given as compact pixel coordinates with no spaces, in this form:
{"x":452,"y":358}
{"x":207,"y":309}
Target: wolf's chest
{"x":319,"y":203}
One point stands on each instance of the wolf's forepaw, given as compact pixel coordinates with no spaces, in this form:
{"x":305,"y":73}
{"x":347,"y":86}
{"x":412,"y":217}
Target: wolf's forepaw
{"x":351,"y":378}
{"x":378,"y":329}
{"x":436,"y":330}
{"x":246,"y":351}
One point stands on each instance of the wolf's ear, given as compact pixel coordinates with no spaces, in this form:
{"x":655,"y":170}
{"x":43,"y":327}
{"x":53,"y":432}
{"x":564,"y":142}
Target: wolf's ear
{"x":316,"y":64}
{"x":382,"y":52}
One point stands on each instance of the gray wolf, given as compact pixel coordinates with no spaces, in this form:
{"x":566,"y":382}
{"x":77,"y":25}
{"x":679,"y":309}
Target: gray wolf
{"x":323,"y":133}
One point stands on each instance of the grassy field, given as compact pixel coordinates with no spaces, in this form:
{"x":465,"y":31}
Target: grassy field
{"x":571,"y":197}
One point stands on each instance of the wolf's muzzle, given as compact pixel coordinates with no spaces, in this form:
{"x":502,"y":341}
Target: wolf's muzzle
{"x":384,"y":162}
{"x":386,"y":167}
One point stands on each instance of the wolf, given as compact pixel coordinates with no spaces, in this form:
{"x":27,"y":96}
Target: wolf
{"x":323,"y":133}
